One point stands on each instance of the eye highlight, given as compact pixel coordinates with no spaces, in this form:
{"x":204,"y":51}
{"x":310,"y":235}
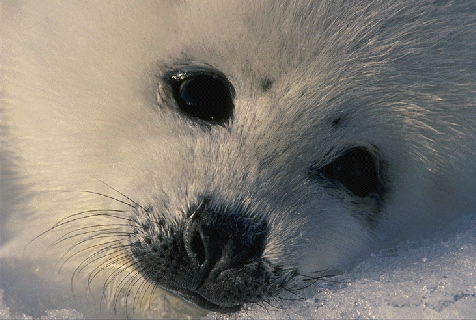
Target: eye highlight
{"x":203,"y":95}
{"x":356,"y":169}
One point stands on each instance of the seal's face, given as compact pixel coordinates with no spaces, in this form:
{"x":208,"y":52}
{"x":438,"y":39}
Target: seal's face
{"x":264,"y":167}
{"x":219,"y":252}
{"x":259,"y":150}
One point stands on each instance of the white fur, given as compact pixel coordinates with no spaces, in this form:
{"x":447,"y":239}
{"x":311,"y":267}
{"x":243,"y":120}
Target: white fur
{"x":79,"y":113}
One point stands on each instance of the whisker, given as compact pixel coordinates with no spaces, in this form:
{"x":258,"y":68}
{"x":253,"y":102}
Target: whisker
{"x":92,"y":213}
{"x":130,"y":283}
{"x":117,"y":272}
{"x":90,"y":260}
{"x":84,"y":215}
{"x":106,"y":230}
{"x":108,"y":248}
{"x":122,"y":194}
{"x":99,"y":236}
{"x":142,"y":293}
{"x":113,"y":258}
{"x":112,"y":198}
{"x":89,"y":214}
{"x":117,"y":290}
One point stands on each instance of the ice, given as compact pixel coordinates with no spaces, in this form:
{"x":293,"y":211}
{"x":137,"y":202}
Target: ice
{"x":5,"y":313}
{"x":434,"y":279}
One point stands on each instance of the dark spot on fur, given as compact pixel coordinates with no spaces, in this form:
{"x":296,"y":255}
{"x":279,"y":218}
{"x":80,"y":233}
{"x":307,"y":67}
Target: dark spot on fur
{"x":266,"y":84}
{"x":336,"y":122}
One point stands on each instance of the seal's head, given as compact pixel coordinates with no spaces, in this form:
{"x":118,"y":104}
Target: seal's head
{"x":227,"y":240}
{"x":254,"y":146}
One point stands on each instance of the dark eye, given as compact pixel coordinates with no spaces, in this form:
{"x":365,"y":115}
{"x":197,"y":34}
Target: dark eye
{"x":356,"y":169}
{"x":203,"y":95}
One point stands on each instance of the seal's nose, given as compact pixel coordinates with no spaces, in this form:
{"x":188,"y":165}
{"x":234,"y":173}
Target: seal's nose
{"x":217,"y":240}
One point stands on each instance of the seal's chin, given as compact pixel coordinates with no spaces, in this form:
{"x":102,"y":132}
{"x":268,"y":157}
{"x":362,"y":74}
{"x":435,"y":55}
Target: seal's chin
{"x":200,"y":301}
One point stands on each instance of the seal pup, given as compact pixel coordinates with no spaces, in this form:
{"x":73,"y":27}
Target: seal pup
{"x":253,"y":147}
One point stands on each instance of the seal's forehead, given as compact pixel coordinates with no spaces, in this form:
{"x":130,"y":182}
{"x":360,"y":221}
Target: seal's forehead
{"x":256,"y":46}
{"x":269,"y":41}
{"x":256,"y":39}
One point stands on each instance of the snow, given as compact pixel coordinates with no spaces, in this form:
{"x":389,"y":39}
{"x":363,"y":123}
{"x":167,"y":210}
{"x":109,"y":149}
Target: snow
{"x":433,"y":279}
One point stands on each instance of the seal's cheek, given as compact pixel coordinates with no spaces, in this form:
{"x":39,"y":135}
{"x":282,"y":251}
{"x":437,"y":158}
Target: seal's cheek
{"x":332,"y":239}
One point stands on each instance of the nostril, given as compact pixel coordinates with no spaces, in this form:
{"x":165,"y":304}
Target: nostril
{"x":198,"y":247}
{"x":218,"y":239}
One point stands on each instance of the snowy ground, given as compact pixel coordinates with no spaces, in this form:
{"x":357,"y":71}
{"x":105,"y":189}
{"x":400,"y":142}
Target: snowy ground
{"x":432,"y":279}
